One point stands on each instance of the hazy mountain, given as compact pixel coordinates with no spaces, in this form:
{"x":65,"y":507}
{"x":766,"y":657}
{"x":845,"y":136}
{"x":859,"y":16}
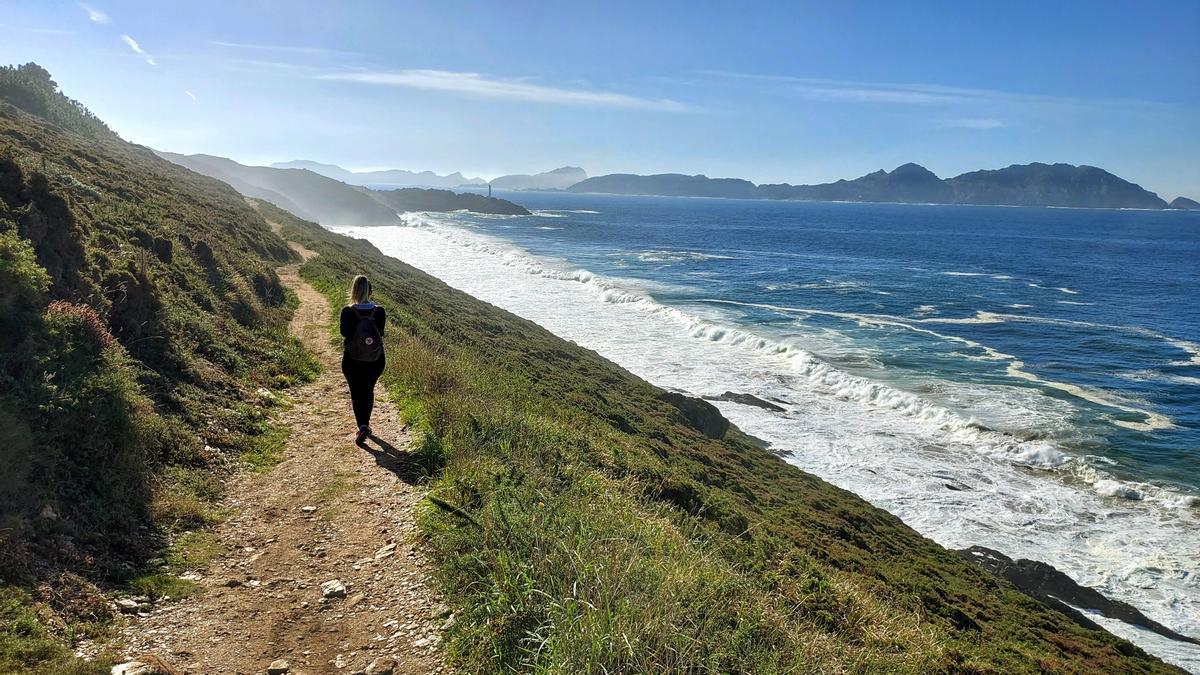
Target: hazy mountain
{"x":1184,"y":204}
{"x":397,"y":177}
{"x":332,"y":202}
{"x":1034,"y":184}
{"x":558,"y":179}
{"x":305,"y":193}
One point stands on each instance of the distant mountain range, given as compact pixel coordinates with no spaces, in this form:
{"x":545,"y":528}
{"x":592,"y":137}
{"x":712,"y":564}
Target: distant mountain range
{"x":317,"y":197}
{"x":388,"y":177}
{"x":557,"y":179}
{"x":1034,"y":184}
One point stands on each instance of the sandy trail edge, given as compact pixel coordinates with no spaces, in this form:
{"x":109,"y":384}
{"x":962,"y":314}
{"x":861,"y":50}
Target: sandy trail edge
{"x":263,"y":600}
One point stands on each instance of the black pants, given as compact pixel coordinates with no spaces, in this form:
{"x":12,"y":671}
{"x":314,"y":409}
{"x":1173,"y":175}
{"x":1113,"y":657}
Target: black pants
{"x":361,"y":376}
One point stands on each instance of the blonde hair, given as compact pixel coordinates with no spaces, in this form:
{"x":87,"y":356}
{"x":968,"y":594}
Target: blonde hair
{"x":360,"y":290}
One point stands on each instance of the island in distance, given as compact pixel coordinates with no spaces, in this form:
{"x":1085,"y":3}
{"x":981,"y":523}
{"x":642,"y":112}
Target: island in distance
{"x":1035,"y":184}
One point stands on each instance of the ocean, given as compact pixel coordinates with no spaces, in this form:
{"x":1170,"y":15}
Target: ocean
{"x":1018,"y":378}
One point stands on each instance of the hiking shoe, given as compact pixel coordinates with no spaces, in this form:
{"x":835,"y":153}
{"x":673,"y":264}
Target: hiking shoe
{"x":363,"y":432}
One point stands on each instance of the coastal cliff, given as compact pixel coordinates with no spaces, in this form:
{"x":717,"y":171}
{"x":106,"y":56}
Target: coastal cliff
{"x":581,"y":519}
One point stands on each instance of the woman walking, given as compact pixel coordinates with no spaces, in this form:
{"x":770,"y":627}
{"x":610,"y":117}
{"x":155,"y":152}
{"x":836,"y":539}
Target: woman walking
{"x":362,"y":325}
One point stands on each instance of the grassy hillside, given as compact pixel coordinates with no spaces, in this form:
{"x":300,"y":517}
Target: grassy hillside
{"x":139,"y":316}
{"x":582,"y":523}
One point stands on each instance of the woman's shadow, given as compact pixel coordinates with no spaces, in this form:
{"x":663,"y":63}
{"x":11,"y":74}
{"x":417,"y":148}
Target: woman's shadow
{"x":389,"y":457}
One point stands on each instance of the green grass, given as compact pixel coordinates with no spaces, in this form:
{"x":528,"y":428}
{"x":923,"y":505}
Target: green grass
{"x":162,"y":585}
{"x":30,"y":642}
{"x":194,"y":550}
{"x":580,"y":524}
{"x":340,"y":484}
{"x":266,"y":447}
{"x":191,"y":550}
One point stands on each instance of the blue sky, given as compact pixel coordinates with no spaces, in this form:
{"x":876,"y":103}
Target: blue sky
{"x":774,"y":92}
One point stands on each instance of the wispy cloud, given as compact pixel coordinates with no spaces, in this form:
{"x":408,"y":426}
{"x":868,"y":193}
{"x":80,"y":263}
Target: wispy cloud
{"x":286,"y":49}
{"x":95,"y":15}
{"x":478,"y":86}
{"x":867,"y":95}
{"x":973,"y":123}
{"x":190,"y":94}
{"x":849,"y":91}
{"x":138,"y":49}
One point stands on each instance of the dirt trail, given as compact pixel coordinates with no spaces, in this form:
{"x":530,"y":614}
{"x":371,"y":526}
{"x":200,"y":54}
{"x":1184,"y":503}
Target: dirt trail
{"x":329,"y":510}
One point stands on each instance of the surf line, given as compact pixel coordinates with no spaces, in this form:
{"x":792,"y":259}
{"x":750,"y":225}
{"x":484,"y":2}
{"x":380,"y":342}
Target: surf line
{"x":1192,"y":349}
{"x":1154,"y":421}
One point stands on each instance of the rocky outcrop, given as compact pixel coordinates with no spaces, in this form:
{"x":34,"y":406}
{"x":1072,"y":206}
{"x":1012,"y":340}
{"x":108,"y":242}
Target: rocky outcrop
{"x":699,"y":414}
{"x":1059,"y":591}
{"x":1184,"y":204}
{"x":747,"y":399}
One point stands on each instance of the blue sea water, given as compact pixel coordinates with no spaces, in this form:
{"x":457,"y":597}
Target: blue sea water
{"x":1026,"y":379}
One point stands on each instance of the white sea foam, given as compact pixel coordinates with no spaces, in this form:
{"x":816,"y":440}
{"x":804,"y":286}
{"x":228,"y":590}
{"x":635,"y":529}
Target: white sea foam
{"x":1157,"y":376}
{"x":1016,"y":368}
{"x":668,"y":256}
{"x":895,"y":448}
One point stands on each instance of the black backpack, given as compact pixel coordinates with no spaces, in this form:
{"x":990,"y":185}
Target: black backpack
{"x":367,"y":343}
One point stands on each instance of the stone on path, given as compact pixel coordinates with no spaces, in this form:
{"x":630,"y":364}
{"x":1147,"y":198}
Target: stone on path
{"x":333,"y":588}
{"x":384,"y":665}
{"x":277,"y":667}
{"x":147,"y":664}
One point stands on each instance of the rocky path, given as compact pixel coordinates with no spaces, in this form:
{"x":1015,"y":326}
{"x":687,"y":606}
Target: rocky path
{"x":322,"y":570}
